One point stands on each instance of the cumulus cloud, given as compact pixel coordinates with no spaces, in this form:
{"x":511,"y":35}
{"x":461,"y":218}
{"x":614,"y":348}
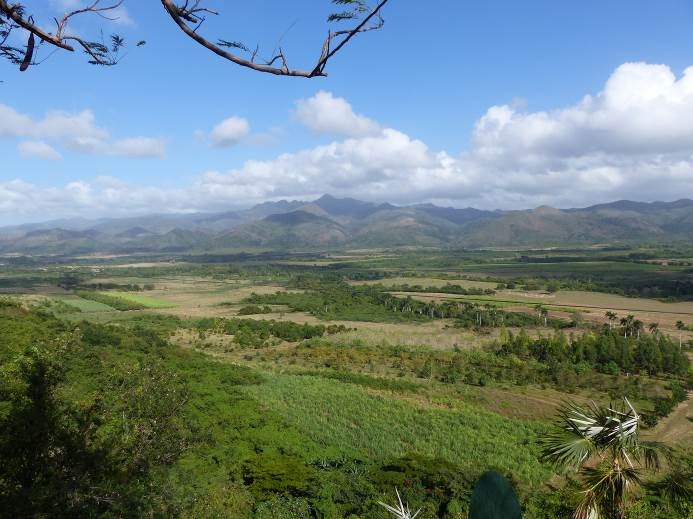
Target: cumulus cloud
{"x":642,"y":109}
{"x":387,"y":166}
{"x":325,"y":113}
{"x":633,"y":139}
{"x":38,"y":149}
{"x":134,"y":147}
{"x":229,"y":132}
{"x":76,"y":131}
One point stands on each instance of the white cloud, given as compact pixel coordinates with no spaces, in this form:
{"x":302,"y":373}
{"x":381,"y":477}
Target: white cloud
{"x":121,"y":16}
{"x":14,"y":124}
{"x":229,"y":132}
{"x":38,"y":149}
{"x":133,"y":147}
{"x":139,"y":147}
{"x":387,"y":166}
{"x":325,"y":113}
{"x":76,"y":131}
{"x":634,"y":139}
{"x":642,"y":109}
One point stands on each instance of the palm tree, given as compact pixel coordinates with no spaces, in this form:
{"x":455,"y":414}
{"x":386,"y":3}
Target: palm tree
{"x":611,"y":316}
{"x":543,"y":312}
{"x":680,"y":327}
{"x":654,"y":328}
{"x":624,"y":324}
{"x":627,"y":323}
{"x":488,"y":307}
{"x":604,"y":446}
{"x":637,"y":327}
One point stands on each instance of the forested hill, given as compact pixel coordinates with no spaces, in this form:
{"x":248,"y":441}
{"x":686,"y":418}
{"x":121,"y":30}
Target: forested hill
{"x":330,"y":222}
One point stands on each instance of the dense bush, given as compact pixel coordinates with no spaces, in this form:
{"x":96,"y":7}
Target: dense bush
{"x":255,"y":333}
{"x":254,"y":310}
{"x":605,"y":351}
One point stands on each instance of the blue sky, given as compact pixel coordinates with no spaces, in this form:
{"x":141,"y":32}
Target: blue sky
{"x":419,"y":96}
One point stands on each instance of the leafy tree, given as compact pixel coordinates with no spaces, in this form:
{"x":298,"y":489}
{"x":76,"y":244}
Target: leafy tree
{"x":189,"y":16}
{"x":88,"y":459}
{"x":553,"y":286}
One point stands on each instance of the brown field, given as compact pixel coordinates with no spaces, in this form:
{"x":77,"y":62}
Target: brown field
{"x":677,"y":428}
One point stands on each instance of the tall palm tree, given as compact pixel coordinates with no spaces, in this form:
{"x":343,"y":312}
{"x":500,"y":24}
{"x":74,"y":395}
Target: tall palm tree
{"x":544,"y":313}
{"x":604,"y":446}
{"x":611,"y":316}
{"x":624,"y":324}
{"x":654,"y":328}
{"x":637,"y":327}
{"x":489,"y":312}
{"x":680,"y":327}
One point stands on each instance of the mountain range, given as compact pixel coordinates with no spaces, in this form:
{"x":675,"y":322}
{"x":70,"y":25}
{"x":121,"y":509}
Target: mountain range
{"x":331,"y":223}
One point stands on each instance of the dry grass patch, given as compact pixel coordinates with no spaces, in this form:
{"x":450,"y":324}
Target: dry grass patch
{"x":677,"y":428}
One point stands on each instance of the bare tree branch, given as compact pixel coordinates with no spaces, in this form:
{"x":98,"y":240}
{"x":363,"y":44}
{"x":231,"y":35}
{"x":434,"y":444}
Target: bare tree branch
{"x":14,"y":14}
{"x":349,"y":34}
{"x":93,"y":8}
{"x":99,"y":52}
{"x":191,"y":14}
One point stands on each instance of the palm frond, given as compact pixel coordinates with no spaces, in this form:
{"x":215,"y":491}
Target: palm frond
{"x":676,"y":487}
{"x":587,"y":508}
{"x":651,"y":453}
{"x":567,"y":449}
{"x":609,"y":484}
{"x":401,"y":510}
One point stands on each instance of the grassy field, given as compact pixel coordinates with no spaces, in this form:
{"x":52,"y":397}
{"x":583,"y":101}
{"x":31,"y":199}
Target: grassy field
{"x":84,"y":305}
{"x":144,"y":300}
{"x":332,"y":412}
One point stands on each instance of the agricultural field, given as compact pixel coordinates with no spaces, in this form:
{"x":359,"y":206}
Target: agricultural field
{"x":144,"y":300}
{"x":316,"y":385}
{"x":84,"y":305}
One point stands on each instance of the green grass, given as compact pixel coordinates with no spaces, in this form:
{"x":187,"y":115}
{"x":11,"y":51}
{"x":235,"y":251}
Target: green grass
{"x":372,"y":426}
{"x":85,"y":305}
{"x":146,"y":301}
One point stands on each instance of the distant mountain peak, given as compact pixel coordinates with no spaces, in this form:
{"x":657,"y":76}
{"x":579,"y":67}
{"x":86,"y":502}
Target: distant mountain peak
{"x":347,"y":222}
{"x":547,"y":209}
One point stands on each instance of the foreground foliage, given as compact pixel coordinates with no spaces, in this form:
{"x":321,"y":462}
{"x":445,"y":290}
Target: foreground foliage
{"x":606,"y":448}
{"x":112,"y":420}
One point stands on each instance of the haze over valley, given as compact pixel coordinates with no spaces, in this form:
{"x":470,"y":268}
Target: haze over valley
{"x":329,"y":223}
